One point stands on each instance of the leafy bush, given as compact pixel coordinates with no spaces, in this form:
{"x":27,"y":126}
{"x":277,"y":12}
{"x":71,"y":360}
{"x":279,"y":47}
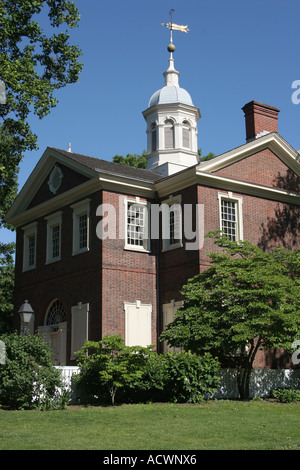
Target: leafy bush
{"x":286,"y":395}
{"x":191,"y":378}
{"x":109,"y":365}
{"x":141,"y":375}
{"x":28,"y":377}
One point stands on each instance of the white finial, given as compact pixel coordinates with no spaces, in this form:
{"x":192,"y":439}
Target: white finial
{"x":69,"y":149}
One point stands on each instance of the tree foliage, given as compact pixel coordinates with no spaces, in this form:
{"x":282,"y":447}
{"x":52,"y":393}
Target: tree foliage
{"x":28,"y":375}
{"x":247,"y":299}
{"x":205,"y":158}
{"x":138,"y":161}
{"x":34,"y":63}
{"x":7,"y":281}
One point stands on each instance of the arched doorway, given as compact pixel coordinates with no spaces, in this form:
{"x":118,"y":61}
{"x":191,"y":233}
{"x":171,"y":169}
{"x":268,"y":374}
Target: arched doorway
{"x":54,"y":331}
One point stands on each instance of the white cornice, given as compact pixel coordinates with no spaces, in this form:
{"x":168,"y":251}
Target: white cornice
{"x":38,"y":175}
{"x":55,"y":203}
{"x":244,"y":187}
{"x":108,"y":182}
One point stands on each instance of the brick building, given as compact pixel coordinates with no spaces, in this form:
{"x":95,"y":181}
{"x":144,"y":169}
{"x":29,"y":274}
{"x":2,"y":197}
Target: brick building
{"x":103,"y":248}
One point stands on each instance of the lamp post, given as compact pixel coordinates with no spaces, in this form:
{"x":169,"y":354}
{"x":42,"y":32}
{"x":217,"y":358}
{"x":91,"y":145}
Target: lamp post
{"x":27,"y":318}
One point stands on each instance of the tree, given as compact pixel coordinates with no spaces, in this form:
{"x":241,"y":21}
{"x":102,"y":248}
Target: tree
{"x":205,"y":158}
{"x":114,"y":364}
{"x":33,"y":65}
{"x":138,"y":161}
{"x":7,"y":278}
{"x":247,"y":299}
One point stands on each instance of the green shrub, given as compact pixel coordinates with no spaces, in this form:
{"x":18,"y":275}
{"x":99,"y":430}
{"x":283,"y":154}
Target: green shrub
{"x":191,"y":378}
{"x":28,"y":377}
{"x":141,"y":375}
{"x":286,"y":395}
{"x":109,"y":366}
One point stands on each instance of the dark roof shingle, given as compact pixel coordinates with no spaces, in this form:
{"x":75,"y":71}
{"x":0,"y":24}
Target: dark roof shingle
{"x":105,"y":166}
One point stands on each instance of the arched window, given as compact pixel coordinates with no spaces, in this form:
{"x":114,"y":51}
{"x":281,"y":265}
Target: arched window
{"x":169,"y":134}
{"x":153,"y":137}
{"x":186,"y":135}
{"x":56,"y":314}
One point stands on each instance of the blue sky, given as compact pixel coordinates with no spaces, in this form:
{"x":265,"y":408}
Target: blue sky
{"x":236,"y":51}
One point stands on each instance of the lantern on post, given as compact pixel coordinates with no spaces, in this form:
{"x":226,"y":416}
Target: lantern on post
{"x":27,"y":318}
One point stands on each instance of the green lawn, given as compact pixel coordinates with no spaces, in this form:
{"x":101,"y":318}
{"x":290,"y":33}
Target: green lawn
{"x":214,"y":425}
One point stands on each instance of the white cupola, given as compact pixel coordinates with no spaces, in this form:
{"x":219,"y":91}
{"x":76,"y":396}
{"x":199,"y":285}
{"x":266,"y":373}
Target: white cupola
{"x":172,"y":126}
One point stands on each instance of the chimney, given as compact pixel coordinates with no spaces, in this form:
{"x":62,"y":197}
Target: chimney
{"x":260,"y":119}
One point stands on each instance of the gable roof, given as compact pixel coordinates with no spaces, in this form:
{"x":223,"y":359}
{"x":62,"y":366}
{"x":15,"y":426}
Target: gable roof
{"x":98,"y":173}
{"x":272,"y":140}
{"x":104,"y":166}
{"x":101,"y":173}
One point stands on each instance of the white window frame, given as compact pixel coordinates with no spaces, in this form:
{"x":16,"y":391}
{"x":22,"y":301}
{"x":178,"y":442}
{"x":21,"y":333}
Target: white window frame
{"x":29,"y":232}
{"x":80,"y":209}
{"x":166,"y":242}
{"x":53,"y":220}
{"x":146,"y":239}
{"x":239,"y":213}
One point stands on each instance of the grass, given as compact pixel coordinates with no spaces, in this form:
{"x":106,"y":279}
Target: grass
{"x":217,"y":425}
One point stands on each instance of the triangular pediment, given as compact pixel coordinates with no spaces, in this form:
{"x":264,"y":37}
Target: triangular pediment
{"x":268,"y":161}
{"x":55,"y":174}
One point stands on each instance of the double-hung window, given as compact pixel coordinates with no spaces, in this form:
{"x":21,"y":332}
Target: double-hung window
{"x":231,"y":222}
{"x":29,"y":246}
{"x":136,"y":223}
{"x":54,"y":224}
{"x":81,"y":217}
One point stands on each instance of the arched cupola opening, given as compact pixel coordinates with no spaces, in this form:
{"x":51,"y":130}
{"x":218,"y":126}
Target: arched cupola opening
{"x":169,"y":134}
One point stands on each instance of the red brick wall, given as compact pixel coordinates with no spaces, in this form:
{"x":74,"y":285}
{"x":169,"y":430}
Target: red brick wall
{"x":73,"y":279}
{"x":263,"y":168}
{"x":128,"y":276}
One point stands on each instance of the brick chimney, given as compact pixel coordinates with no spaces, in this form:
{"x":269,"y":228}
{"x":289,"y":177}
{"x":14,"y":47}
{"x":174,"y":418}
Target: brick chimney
{"x":260,"y":119}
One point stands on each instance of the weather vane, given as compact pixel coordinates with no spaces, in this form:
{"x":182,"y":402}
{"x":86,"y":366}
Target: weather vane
{"x":175,"y":27}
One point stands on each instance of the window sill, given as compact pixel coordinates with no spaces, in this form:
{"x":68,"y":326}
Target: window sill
{"x":138,"y":249}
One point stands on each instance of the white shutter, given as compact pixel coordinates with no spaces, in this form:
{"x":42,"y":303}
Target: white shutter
{"x":80,"y":315}
{"x":138,"y":324}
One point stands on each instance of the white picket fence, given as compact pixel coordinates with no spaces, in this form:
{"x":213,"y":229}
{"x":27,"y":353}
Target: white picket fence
{"x":263,"y":381}
{"x":67,"y":374}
